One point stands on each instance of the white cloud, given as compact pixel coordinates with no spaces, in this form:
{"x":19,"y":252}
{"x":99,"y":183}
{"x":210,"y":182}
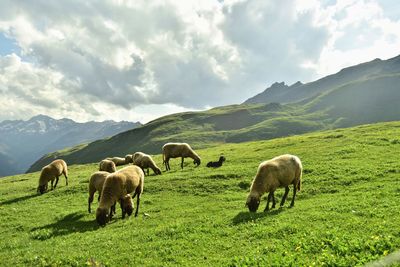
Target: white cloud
{"x":136,"y":60}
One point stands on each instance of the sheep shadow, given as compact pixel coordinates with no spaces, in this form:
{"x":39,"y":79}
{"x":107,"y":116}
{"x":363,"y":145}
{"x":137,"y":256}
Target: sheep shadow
{"x":18,"y":199}
{"x":245,"y":216}
{"x":71,"y":223}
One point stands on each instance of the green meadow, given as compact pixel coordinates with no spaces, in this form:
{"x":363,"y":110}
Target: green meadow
{"x":347,"y":213}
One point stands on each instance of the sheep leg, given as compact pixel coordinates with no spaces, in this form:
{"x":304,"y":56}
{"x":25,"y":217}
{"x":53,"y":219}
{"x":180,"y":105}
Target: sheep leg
{"x":90,"y":200}
{"x":137,"y":204}
{"x":66,"y":178}
{"x":167,"y":164}
{"x":148,"y":172}
{"x":182,"y":163}
{"x":55,"y":185}
{"x":122,"y":209}
{"x":273,"y":200}
{"x":268,"y":200}
{"x":112,"y":210}
{"x":285,"y":195}
{"x":294,"y":195}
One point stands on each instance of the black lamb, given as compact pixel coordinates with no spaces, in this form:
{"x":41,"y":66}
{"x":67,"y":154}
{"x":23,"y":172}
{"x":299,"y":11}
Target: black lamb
{"x":216,"y":164}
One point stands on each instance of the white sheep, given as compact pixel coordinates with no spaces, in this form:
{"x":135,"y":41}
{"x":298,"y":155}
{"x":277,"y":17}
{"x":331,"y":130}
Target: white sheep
{"x":96,"y":184}
{"x":52,"y":172}
{"x":107,"y":166}
{"x":118,"y":161}
{"x":117,"y":187}
{"x":145,"y":161}
{"x":280,"y":171}
{"x":176,"y":150}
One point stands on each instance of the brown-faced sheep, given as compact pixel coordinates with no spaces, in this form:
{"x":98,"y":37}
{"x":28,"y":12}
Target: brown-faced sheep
{"x":96,"y":184}
{"x":176,"y":150}
{"x":145,"y":161}
{"x":128,"y":159}
{"x":107,"y":166}
{"x":116,"y":187}
{"x":280,"y":171}
{"x":52,"y":172}
{"x":118,"y":161}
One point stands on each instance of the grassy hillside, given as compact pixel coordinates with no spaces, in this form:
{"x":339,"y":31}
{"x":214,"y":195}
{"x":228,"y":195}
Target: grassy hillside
{"x":345,"y":215}
{"x":369,"y":100}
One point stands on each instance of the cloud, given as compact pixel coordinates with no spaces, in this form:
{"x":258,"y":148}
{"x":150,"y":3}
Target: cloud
{"x":133,"y":60}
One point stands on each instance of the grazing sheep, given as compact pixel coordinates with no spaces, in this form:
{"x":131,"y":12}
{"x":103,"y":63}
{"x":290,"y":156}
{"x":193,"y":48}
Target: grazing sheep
{"x":107,"y":166}
{"x":96,"y":184}
{"x":176,"y":150}
{"x":216,"y":164}
{"x":52,"y":172}
{"x":145,"y":161}
{"x":280,"y":171}
{"x":116,"y":187}
{"x":128,"y":159}
{"x":118,"y":161}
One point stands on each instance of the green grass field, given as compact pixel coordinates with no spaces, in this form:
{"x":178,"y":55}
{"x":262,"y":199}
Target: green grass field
{"x":347,"y":213}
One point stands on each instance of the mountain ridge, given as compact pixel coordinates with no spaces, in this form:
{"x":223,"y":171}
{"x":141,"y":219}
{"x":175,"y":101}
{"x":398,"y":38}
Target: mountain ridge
{"x":23,"y":142}
{"x":299,"y":91}
{"x":361,"y":94}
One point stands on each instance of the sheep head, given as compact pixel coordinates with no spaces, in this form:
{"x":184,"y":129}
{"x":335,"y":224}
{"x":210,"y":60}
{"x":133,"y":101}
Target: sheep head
{"x":102,"y":216}
{"x":157,"y":171}
{"x":42,"y":188}
{"x":252,"y":203}
{"x":197,"y":162}
{"x":128,"y":159}
{"x":127,"y":205}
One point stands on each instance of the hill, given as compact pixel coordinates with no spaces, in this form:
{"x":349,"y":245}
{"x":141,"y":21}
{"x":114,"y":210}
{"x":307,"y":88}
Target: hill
{"x":23,"y":142}
{"x":368,"y":100}
{"x":282,"y":93}
{"x":345,"y":215}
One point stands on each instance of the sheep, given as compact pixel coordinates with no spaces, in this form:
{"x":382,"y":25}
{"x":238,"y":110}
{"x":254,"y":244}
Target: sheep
{"x":280,"y":171}
{"x":128,"y":158}
{"x":107,"y":165}
{"x":216,"y":164}
{"x":145,"y":161}
{"x":116,"y":187}
{"x":175,"y":150}
{"x":96,"y":184}
{"x":52,"y":172}
{"x":118,"y":161}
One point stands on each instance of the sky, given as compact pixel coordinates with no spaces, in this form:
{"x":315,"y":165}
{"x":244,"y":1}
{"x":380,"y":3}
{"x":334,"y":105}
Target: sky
{"x":138,"y":60}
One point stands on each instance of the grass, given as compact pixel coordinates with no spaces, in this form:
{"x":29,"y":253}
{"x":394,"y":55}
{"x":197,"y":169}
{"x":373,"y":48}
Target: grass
{"x":345,"y":215}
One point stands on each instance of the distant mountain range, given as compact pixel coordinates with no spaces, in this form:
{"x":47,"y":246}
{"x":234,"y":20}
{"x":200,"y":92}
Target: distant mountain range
{"x":23,"y":142}
{"x":365,"y":93}
{"x":282,"y":93}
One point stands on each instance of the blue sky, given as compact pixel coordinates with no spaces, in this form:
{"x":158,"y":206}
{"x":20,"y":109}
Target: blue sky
{"x":138,"y":60}
{"x":8,"y":46}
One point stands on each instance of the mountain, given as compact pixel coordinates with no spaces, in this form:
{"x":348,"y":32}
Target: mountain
{"x":6,"y":165}
{"x":282,"y":93}
{"x":366,"y":93}
{"x":23,"y":142}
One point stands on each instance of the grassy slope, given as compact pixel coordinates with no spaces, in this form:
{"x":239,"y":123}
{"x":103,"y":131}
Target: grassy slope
{"x":369,"y":100}
{"x":345,"y":215}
